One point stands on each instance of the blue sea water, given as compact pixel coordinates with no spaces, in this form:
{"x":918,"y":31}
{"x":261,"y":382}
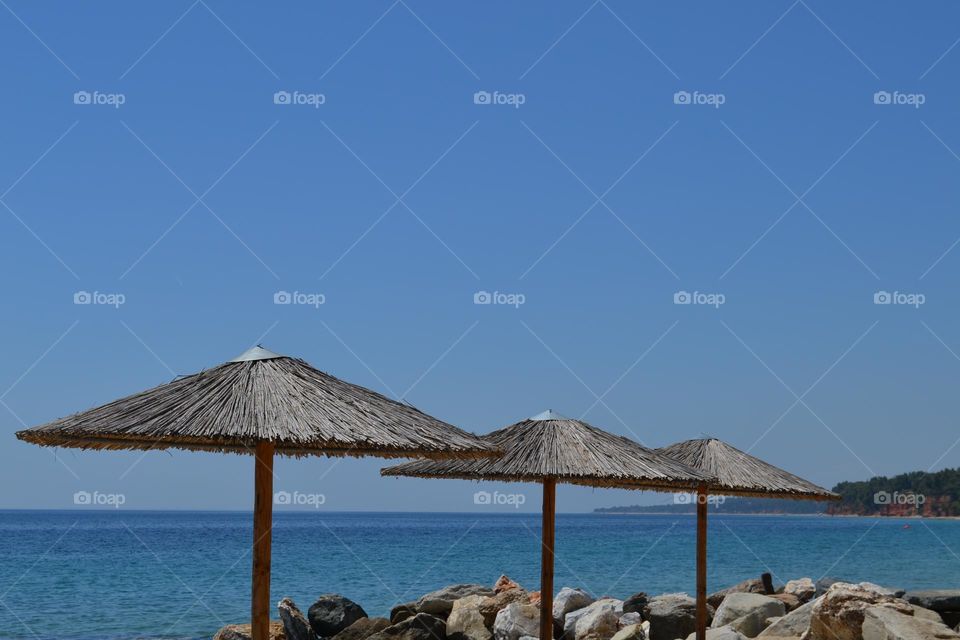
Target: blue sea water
{"x":121,"y":574}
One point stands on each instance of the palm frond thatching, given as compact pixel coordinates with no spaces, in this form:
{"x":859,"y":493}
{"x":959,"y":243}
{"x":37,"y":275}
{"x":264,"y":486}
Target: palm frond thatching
{"x":738,"y":473}
{"x":566,"y":450}
{"x":261,"y":396}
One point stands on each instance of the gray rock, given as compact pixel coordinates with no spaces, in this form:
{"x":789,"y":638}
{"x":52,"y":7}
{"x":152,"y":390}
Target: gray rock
{"x":599,"y":621}
{"x":673,"y":615}
{"x":568,"y":600}
{"x":629,"y":619}
{"x":439,"y":603}
{"x":422,"y":626}
{"x":884,"y":591}
{"x":636,"y":602}
{"x":571,"y":620}
{"x":885,"y":623}
{"x":630,"y":632}
{"x":720,"y":633}
{"x":332,"y":613}
{"x":403,"y":611}
{"x":465,"y":621}
{"x":935,"y":599}
{"x":517,"y":620}
{"x":803,"y":588}
{"x":490,"y":607}
{"x":295,"y":624}
{"x":792,"y":625}
{"x":747,"y":612}
{"x":362,"y":629}
{"x":753,"y":585}
{"x":839,"y":614}
{"x":825,"y":583}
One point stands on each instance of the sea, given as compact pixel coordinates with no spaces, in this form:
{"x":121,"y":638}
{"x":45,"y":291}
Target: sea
{"x":119,"y":574}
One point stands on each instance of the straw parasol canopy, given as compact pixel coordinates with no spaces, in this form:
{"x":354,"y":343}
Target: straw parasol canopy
{"x":261,"y":396}
{"x":549,"y":448}
{"x":261,"y":403}
{"x":735,"y":473}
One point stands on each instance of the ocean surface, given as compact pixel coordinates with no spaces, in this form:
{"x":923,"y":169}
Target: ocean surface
{"x":122,"y":574}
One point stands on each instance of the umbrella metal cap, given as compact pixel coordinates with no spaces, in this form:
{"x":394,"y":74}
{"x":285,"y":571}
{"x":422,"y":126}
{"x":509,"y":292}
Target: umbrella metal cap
{"x":549,"y":414}
{"x":256,"y":353}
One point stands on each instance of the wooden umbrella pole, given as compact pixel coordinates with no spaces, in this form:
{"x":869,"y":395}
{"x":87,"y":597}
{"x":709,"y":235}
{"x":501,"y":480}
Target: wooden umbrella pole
{"x":262,"y":525}
{"x":546,"y":560}
{"x":702,"y":563}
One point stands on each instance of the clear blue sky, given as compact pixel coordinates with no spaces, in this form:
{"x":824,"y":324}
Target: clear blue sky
{"x":398,"y":198}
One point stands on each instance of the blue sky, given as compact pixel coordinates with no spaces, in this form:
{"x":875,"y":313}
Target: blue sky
{"x":740,"y":151}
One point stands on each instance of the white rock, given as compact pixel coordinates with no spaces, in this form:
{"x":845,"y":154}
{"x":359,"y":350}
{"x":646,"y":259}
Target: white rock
{"x":628,"y":619}
{"x":465,"y":621}
{"x":792,"y":625}
{"x":885,"y":623}
{"x":803,"y":588}
{"x":747,"y":612}
{"x":517,"y":620}
{"x":599,"y":621}
{"x":568,"y":600}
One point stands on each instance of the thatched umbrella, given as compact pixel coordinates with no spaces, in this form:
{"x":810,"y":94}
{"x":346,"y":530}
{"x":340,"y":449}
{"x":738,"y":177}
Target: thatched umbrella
{"x":738,"y":474}
{"x":549,"y":448}
{"x":262,"y":403}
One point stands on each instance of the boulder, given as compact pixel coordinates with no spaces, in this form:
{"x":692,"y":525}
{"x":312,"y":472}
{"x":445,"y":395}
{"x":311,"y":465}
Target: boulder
{"x":803,"y":589}
{"x":886,"y":623}
{"x":403,"y":611}
{"x":362,"y":629}
{"x":838,"y":615}
{"x":491,"y":606}
{"x":672,"y":615}
{"x":332,"y":613}
{"x":422,"y":626}
{"x":243,"y":632}
{"x":599,"y":621}
{"x":636,"y":602}
{"x":938,"y":600}
{"x":630,"y":632}
{"x":629,"y":619}
{"x":720,"y":633}
{"x":465,"y":621}
{"x":753,"y":585}
{"x":790,"y":601}
{"x":750,"y":612}
{"x":295,"y":624}
{"x":884,"y":591}
{"x":571,"y":620}
{"x":439,"y":603}
{"x":504,"y":584}
{"x":823,"y":584}
{"x":517,"y":620}
{"x":792,"y":625}
{"x":570,"y":600}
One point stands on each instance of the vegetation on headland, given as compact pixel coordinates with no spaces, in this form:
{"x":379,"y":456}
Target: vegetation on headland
{"x":917,"y":493}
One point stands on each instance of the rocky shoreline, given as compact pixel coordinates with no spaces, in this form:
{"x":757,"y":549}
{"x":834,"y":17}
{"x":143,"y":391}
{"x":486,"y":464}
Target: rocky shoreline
{"x":802,"y":609}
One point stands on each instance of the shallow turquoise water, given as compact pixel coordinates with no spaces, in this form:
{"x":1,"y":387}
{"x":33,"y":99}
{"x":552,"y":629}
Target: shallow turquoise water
{"x":120,"y":574}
